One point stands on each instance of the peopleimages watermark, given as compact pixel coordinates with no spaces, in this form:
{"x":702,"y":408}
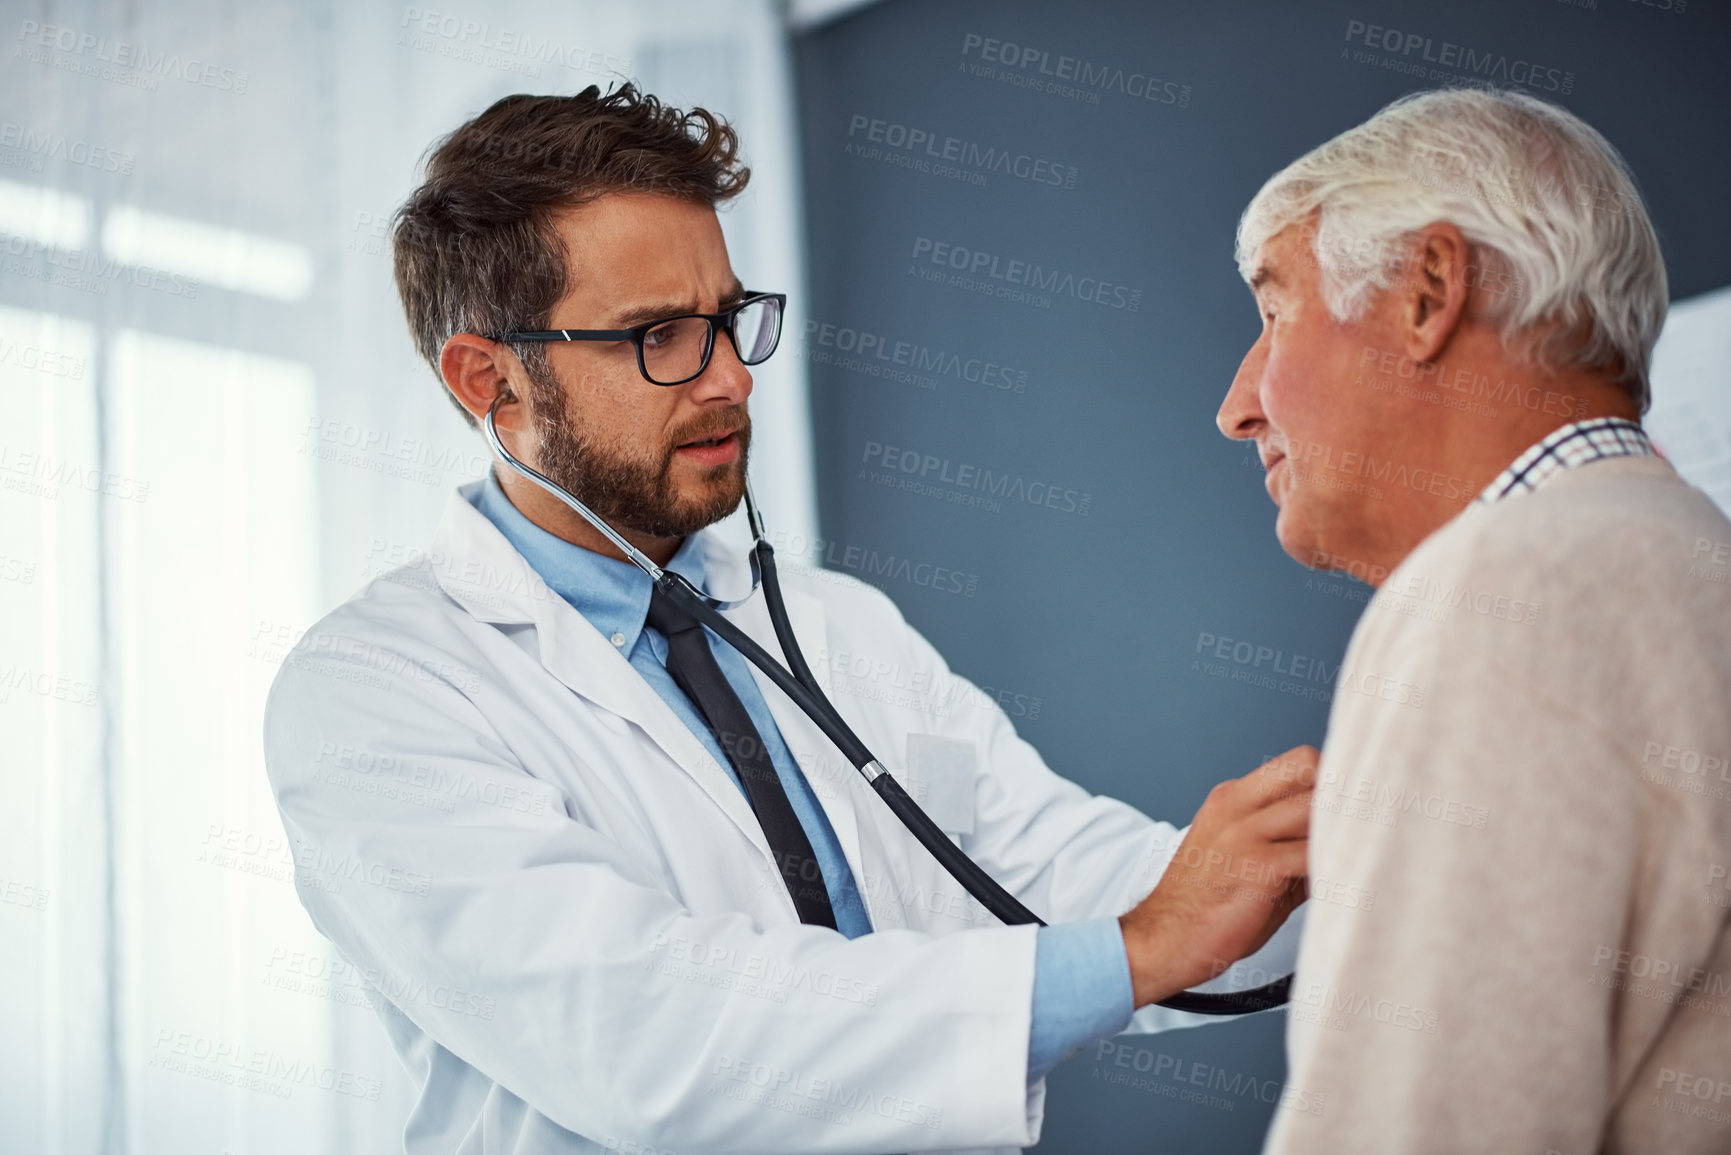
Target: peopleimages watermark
{"x":1326,"y":1005}
{"x":1355,"y":568}
{"x":417,"y":782}
{"x":340,"y":981}
{"x":356,"y":659}
{"x":633,"y":1146}
{"x":15,"y":893}
{"x":42,"y":359}
{"x":1383,"y":802}
{"x":828,"y":1100}
{"x":262,"y":856}
{"x":1336,"y":893}
{"x":369,"y":233}
{"x":1327,"y":467}
{"x":751,"y":973}
{"x":1070,"y":77}
{"x":26,"y":679}
{"x":1193,"y":1081}
{"x":252,"y":1068}
{"x":1519,"y":186}
{"x":1220,"y":872}
{"x":1260,"y":657}
{"x":1665,"y":980}
{"x":497,"y":46}
{"x":475,"y":580}
{"x":1467,"y":384}
{"x":820,"y":557}
{"x":272,"y":641}
{"x":921,"y":687}
{"x":1434,"y":599}
{"x":1299,"y":675}
{"x":1717,"y":891}
{"x":1703,"y":772}
{"x":965,"y":483}
{"x":925,"y":150}
{"x":876,"y":355}
{"x":83,"y":270}
{"x":1403,"y":269}
{"x":890,"y":897}
{"x":1334,"y":587}
{"x":340,"y":868}
{"x":1710,"y":561}
{"x":1012,"y":278}
{"x":1681,"y":1087}
{"x":272,"y":857}
{"x":122,"y":61}
{"x":388,"y":453}
{"x":31,"y":147}
{"x":1448,"y":61}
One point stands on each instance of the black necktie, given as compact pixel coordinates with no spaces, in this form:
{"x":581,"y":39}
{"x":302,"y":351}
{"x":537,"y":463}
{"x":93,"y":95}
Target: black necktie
{"x":695,"y":671}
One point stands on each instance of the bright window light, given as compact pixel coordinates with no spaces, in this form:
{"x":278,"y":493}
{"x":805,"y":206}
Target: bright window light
{"x":211,"y":578}
{"x":226,"y":258}
{"x":45,"y":215}
{"x":1691,"y":415}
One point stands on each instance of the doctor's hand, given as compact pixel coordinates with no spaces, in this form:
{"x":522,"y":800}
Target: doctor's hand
{"x":1237,"y":875}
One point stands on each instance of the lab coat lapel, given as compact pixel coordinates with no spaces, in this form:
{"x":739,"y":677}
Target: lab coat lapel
{"x":571,"y":649}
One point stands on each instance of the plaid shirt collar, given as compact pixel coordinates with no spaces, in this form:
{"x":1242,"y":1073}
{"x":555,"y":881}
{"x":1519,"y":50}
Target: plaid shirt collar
{"x":1567,"y":447}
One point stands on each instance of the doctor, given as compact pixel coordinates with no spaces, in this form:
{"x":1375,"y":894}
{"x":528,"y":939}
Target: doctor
{"x":619,"y":892}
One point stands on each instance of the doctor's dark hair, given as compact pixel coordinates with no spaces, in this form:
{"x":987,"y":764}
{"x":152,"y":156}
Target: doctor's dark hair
{"x":474,"y":247}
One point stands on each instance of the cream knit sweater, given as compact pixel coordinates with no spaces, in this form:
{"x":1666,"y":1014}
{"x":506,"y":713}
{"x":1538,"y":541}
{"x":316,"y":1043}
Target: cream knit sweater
{"x":1519,"y":936}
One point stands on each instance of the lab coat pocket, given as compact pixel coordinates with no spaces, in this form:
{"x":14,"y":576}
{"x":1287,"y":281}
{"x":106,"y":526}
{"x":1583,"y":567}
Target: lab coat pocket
{"x":941,"y":779}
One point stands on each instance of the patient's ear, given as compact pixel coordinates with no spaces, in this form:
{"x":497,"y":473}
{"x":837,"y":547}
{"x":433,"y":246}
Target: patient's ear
{"x":1433,"y":300}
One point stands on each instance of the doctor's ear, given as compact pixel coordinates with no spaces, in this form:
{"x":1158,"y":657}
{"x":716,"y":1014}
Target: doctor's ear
{"x":477,"y":371}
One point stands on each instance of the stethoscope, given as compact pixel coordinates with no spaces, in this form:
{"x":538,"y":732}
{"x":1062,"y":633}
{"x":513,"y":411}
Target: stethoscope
{"x":797,"y":682}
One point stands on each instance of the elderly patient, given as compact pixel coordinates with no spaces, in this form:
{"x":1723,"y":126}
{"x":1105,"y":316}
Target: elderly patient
{"x":1519,"y":936}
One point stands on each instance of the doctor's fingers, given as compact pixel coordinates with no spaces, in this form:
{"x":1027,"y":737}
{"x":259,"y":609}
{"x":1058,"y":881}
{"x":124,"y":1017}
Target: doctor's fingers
{"x":1293,"y":772}
{"x":1281,"y":820}
{"x":1288,"y":862}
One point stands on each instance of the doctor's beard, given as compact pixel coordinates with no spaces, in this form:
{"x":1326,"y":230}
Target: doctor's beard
{"x":633,"y":492}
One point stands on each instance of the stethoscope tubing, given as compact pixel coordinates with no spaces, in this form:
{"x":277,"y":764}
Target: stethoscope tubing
{"x":796,"y":680}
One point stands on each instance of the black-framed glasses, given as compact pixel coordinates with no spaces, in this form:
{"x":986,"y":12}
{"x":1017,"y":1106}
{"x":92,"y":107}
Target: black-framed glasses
{"x":677,"y":349}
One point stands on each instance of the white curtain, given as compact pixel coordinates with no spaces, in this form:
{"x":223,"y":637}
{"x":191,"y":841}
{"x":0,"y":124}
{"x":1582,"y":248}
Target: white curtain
{"x":1691,"y":378}
{"x":213,"y":429}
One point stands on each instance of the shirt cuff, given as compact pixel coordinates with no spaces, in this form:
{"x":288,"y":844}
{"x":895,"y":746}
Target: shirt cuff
{"x":1082,"y":990}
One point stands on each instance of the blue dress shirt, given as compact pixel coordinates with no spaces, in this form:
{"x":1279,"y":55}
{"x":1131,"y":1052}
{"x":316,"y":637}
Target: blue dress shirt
{"x":1081,"y":974}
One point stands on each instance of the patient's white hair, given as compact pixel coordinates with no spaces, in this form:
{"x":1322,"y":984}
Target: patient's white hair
{"x":1567,"y":265}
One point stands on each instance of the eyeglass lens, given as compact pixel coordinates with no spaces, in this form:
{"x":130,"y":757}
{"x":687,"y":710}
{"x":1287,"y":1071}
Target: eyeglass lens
{"x":678,"y":349}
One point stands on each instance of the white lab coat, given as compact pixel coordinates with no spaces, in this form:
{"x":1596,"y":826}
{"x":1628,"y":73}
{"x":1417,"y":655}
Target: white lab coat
{"x":575,"y":917}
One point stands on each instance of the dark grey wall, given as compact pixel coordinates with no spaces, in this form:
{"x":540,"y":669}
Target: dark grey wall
{"x":1086,"y":615}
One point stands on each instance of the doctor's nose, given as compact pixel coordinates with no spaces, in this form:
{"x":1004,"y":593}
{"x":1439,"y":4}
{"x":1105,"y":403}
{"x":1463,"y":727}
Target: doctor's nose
{"x":725,"y":380}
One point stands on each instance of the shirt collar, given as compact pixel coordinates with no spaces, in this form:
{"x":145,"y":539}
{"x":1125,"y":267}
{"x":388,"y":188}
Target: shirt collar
{"x":612,"y":595}
{"x":1568,"y":446}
